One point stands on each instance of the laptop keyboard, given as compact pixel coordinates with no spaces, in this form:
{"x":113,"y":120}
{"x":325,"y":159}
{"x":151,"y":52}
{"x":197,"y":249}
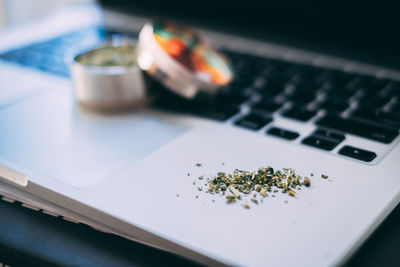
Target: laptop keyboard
{"x":336,"y":102}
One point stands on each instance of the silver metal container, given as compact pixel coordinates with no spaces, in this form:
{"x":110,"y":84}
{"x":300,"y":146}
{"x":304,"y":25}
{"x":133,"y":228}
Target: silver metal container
{"x":108,"y":88}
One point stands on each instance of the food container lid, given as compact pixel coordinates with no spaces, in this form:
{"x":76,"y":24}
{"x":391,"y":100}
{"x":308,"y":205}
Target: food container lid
{"x":177,"y":57}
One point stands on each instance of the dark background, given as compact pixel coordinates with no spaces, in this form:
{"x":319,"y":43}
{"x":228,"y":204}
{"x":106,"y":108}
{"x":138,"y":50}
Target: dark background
{"x":31,"y":238}
{"x":364,"y":30}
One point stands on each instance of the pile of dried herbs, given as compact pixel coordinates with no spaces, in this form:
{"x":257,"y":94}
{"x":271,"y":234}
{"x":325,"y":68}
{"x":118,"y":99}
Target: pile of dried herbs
{"x":107,"y":56}
{"x":256,"y":183}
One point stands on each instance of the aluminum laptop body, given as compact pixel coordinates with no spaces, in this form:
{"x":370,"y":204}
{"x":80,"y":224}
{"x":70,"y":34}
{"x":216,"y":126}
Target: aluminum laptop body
{"x":132,"y":173}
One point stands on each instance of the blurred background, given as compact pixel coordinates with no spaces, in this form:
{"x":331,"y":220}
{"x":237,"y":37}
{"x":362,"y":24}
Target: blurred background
{"x":13,"y":12}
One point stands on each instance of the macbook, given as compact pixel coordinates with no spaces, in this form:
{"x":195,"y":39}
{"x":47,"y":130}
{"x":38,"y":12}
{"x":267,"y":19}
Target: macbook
{"x":316,"y":89}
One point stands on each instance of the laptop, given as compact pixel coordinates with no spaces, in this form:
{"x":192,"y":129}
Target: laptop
{"x":316,"y":89}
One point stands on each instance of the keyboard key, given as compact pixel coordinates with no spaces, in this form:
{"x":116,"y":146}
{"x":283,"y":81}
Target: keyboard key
{"x":377,"y":133}
{"x":344,"y":93}
{"x":395,"y":110}
{"x":334,"y":104}
{"x":232,"y":98}
{"x":373,"y":101}
{"x":378,"y":116}
{"x":319,"y":142}
{"x":253,"y":121}
{"x":357,"y":153}
{"x":329,"y":134}
{"x":299,"y":113}
{"x":267,"y":106}
{"x":220,"y":113}
{"x":166,"y":100}
{"x":272,"y":87}
{"x":302,"y":97}
{"x":282,"y":133}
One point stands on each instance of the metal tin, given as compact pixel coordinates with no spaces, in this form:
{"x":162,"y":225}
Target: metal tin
{"x":178,"y":58}
{"x":108,"y":88}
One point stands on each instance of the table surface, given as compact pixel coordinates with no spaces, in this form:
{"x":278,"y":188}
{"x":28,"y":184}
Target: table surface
{"x":28,"y":237}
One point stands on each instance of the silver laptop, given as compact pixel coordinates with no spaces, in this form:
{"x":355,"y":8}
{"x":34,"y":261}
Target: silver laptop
{"x":317,"y":89}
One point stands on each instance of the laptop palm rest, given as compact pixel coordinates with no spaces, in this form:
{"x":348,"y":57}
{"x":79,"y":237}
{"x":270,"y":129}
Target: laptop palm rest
{"x":50,"y":135}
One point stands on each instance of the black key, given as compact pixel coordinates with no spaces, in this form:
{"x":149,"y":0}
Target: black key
{"x":253,"y":121}
{"x":378,"y":116}
{"x":329,"y":134}
{"x":230,"y":98}
{"x":272,"y":87}
{"x":342,"y":77}
{"x":344,"y":93}
{"x":357,"y":153}
{"x":267,"y":106}
{"x":299,"y":113}
{"x":167,"y":100}
{"x":239,"y":84}
{"x":285,"y":134}
{"x":377,"y":133}
{"x":334,"y":104}
{"x":395,"y":110}
{"x":323,"y":77}
{"x":319,"y":142}
{"x":220,"y":113}
{"x":303,"y":97}
{"x":389,"y":91}
{"x":373,"y":101}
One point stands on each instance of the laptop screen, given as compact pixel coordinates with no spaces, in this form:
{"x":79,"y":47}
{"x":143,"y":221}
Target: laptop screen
{"x":364,"y":30}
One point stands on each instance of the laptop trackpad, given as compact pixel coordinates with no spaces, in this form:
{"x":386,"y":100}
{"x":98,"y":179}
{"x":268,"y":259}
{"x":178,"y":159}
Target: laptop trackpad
{"x":50,"y":135}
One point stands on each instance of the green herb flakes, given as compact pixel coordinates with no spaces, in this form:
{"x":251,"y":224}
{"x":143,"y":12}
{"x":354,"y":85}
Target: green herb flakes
{"x":108,"y":56}
{"x":255,"y":184}
{"x":291,"y":193}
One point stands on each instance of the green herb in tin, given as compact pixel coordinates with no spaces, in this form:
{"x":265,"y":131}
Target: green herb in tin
{"x":108,"y":56}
